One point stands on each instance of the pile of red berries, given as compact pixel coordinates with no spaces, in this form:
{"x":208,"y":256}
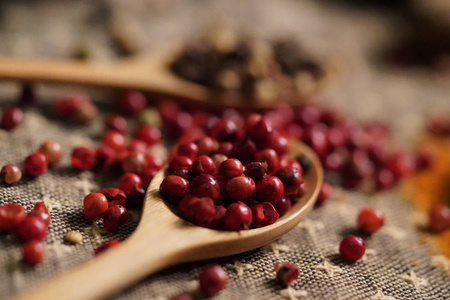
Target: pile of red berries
{"x":31,"y":228}
{"x":233,"y":179}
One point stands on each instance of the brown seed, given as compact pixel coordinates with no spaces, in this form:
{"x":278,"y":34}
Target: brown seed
{"x":73,"y":237}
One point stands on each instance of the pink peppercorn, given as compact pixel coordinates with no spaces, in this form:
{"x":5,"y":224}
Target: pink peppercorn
{"x":205,"y":185}
{"x":95,"y":205}
{"x":128,"y":181}
{"x":33,"y":252}
{"x":286,"y":272}
{"x":180,"y":162}
{"x":231,"y":168}
{"x":189,"y":149}
{"x":283,"y":206}
{"x":149,"y":134}
{"x":439,"y":218}
{"x":240,"y":188}
{"x":105,"y":157}
{"x":370,"y":220}
{"x":256,"y":170}
{"x":131,"y":102}
{"x":36,"y":164}
{"x":134,"y":162}
{"x":264,"y":214}
{"x":11,"y":216}
{"x":324,"y":194}
{"x":213,"y":279}
{"x":115,"y":217}
{"x":12,"y":117}
{"x":114,"y":139}
{"x":352,"y":248}
{"x":174,"y":187}
{"x":238,"y":216}
{"x":116,"y":122}
{"x":207,"y":145}
{"x":83,"y":158}
{"x":203,"y":212}
{"x":10,"y":174}
{"x":52,"y":150}
{"x":114,"y":196}
{"x":32,"y":228}
{"x":291,"y":179}
{"x":270,"y":189}
{"x":39,"y":210}
{"x":270,"y":157}
{"x":203,"y":165}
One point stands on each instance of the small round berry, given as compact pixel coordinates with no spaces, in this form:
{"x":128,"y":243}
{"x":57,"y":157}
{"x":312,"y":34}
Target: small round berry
{"x":10,"y":174}
{"x":270,"y":189}
{"x":33,"y":252}
{"x":107,"y":245}
{"x":260,"y":130}
{"x":384,"y":179}
{"x":213,"y":279}
{"x":114,"y":196}
{"x":115,"y":217}
{"x":352,"y":248}
{"x":205,"y":185}
{"x":154,"y":162}
{"x":231,"y":168}
{"x":39,"y":210}
{"x":185,"y":206}
{"x":136,"y":145}
{"x":116,"y":122}
{"x":278,"y":142}
{"x":174,"y":187}
{"x":370,"y":220}
{"x":203,"y":165}
{"x":52,"y":150}
{"x":95,"y":205}
{"x":238,"y":216}
{"x":439,"y":218}
{"x":207,"y":146}
{"x":131,"y":102}
{"x":264,"y":214}
{"x":66,"y":106}
{"x":218,"y":159}
{"x":401,"y":164}
{"x":225,"y":148}
{"x":283,"y":206}
{"x":149,"y":134}
{"x":114,"y":139}
{"x":36,"y":164}
{"x":291,"y":179}
{"x":180,"y":162}
{"x":224,"y":131}
{"x":12,"y":117}
{"x":244,"y":150}
{"x":136,"y":197}
{"x":287,"y":272}
{"x":287,"y":162}
{"x":240,"y":188}
{"x":256,"y":170}
{"x":189,"y":149}
{"x":83,"y":158}
{"x":270,"y":157}
{"x":11,"y":216}
{"x":134,"y":162}
{"x":218,"y":222}
{"x":324,"y":194}
{"x":128,"y":181}
{"x":85,"y":113}
{"x":32,"y":228}
{"x":203,"y":212}
{"x":105,"y":157}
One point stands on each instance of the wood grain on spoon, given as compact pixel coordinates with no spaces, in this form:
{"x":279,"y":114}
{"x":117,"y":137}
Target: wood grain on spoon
{"x":148,"y":73}
{"x":162,"y":239}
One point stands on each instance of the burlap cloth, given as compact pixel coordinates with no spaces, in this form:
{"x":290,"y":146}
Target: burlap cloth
{"x":396,"y":264}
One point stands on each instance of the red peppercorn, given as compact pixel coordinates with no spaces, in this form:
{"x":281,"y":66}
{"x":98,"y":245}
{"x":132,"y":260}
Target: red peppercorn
{"x":105,"y":157}
{"x":36,"y":164}
{"x":173,"y":187}
{"x":218,"y":221}
{"x":107,"y":245}
{"x":66,"y":106}
{"x":85,"y":113}
{"x":244,"y":150}
{"x":260,"y":131}
{"x":291,"y":179}
{"x":182,"y":296}
{"x":136,"y":198}
{"x":224,"y":131}
{"x":185,"y":206}
{"x":439,"y":218}
{"x":270,"y":157}
{"x":115,"y":217}
{"x":154,"y":162}
{"x":231,"y":168}
{"x":240,"y":188}
{"x":149,"y":134}
{"x":205,"y":185}
{"x":12,"y":117}
{"x":238,"y":216}
{"x":11,"y":216}
{"x":207,"y":146}
{"x":39,"y":210}
{"x":136,"y":145}
{"x":264,"y":214}
{"x":213,"y":279}
{"x":95,"y":205}
{"x":116,"y":122}
{"x":203,"y":212}
{"x":134,"y":162}
{"x":287,"y":162}
{"x":180,"y":162}
{"x":277,"y":142}
{"x":352,"y":248}
{"x":384,"y":179}
{"x":32,"y":228}
{"x":114,"y":196}
{"x":128,"y":181}
{"x":307,"y":114}
{"x":131,"y":103}
{"x":316,"y":137}
{"x":401,"y":164}
{"x":225,"y":148}
{"x":10,"y":174}
{"x":83,"y":158}
{"x":324,"y":194}
{"x":283,"y":206}
{"x":114,"y":139}
{"x":52,"y":150}
{"x":370,"y":220}
{"x":189,"y":149}
{"x":203,"y":165}
{"x":287,"y":272}
{"x":33,"y":252}
{"x":218,"y":159}
{"x":256,"y":170}
{"x":270,"y":189}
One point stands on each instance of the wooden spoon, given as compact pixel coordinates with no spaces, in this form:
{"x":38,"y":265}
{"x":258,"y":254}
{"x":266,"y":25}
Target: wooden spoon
{"x":162,"y":239}
{"x":149,"y":73}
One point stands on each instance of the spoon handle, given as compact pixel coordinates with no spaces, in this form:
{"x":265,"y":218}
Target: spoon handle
{"x":108,"y":273}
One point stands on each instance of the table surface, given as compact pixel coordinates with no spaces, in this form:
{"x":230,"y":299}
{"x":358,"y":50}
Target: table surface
{"x":367,"y":90}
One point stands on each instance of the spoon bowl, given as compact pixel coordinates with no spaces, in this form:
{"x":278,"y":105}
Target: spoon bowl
{"x":150,"y":73}
{"x":162,"y":239}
